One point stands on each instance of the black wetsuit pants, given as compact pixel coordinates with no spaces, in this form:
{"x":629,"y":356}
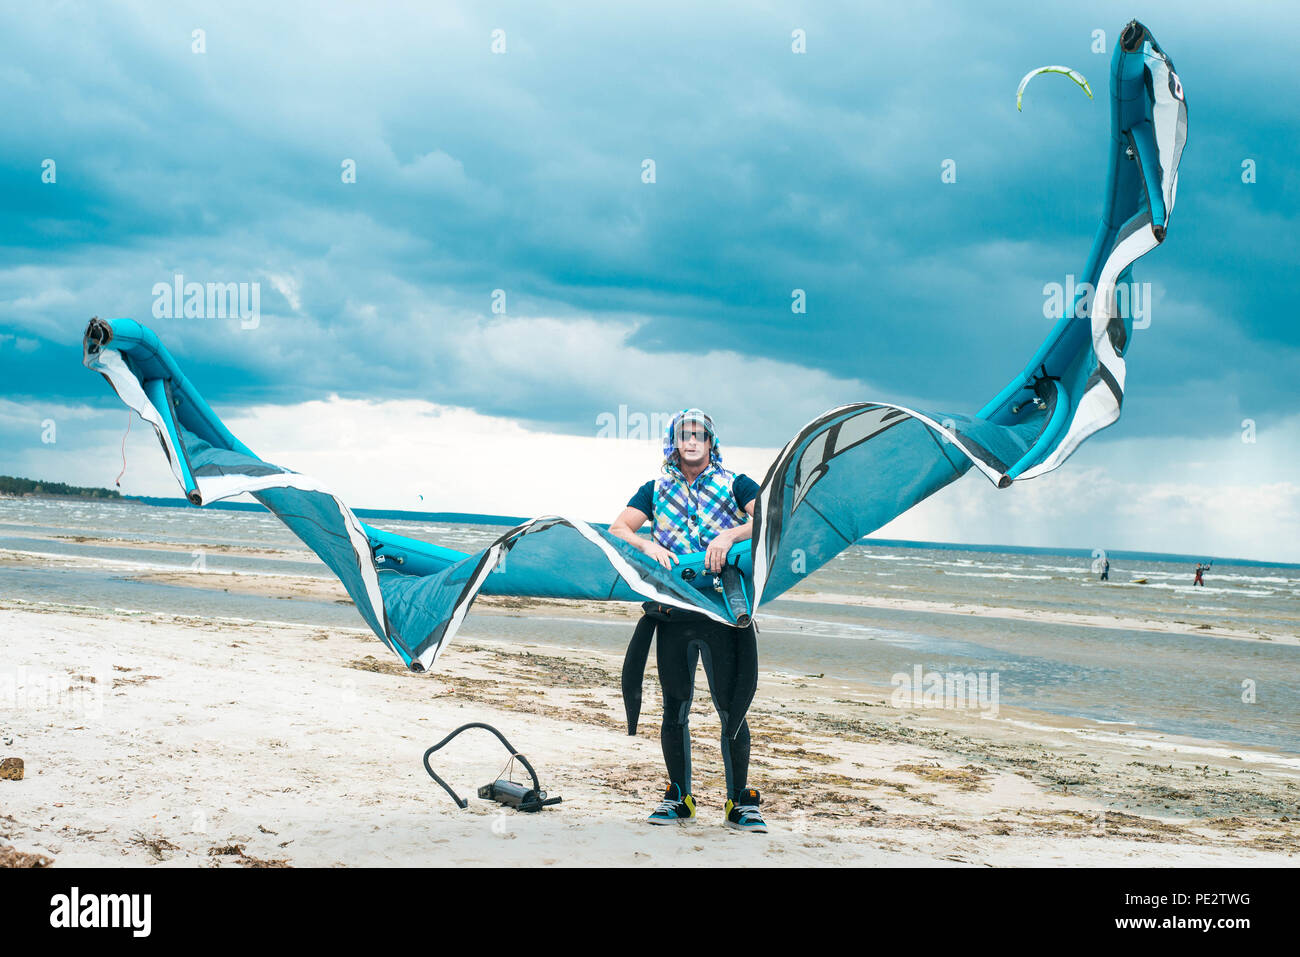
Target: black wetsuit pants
{"x":679,"y":646}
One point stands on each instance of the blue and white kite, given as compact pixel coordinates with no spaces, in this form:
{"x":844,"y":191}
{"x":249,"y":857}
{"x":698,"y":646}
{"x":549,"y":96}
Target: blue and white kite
{"x":846,"y":474}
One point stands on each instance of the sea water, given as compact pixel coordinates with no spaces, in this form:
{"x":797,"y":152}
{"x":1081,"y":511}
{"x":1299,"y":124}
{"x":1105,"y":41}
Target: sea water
{"x":1057,"y":639}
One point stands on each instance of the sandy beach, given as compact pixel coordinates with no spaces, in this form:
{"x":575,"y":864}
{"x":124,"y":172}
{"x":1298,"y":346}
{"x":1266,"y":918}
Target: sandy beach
{"x":163,"y":740}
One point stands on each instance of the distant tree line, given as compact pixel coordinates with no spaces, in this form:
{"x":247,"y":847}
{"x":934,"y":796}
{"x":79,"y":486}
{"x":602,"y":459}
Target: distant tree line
{"x":21,"y":486}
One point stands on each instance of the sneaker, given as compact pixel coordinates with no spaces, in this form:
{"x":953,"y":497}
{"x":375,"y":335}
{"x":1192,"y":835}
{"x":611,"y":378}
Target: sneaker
{"x":674,"y":809}
{"x":743,"y":815}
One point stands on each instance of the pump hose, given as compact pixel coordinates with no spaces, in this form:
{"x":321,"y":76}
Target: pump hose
{"x":537,"y":786}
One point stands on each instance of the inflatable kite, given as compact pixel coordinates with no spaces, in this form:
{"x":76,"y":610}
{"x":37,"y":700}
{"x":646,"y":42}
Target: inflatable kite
{"x":1074,"y":75}
{"x":844,"y":475}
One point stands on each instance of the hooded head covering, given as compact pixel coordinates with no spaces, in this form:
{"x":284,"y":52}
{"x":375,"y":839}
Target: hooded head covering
{"x":688,"y":515}
{"x":670,"y":438}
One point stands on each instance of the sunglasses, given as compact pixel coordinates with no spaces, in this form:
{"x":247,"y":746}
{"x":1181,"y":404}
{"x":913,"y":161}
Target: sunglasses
{"x":699,"y":435}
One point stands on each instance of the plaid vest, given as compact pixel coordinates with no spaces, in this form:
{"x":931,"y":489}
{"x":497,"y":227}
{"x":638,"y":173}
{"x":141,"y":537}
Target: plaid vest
{"x":689,"y":516}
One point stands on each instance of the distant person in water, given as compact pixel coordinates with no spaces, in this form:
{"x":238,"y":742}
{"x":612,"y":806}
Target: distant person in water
{"x":1201,"y":569}
{"x":1105,"y":571}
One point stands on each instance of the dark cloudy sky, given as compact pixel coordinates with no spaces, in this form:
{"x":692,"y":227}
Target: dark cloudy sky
{"x":522,"y":171}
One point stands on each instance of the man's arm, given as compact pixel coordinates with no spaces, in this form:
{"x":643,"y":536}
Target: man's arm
{"x":716,"y":554}
{"x":625,"y":527}
{"x":744,"y":533}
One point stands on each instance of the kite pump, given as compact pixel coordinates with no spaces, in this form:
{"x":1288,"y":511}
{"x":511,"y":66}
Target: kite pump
{"x":502,"y":790}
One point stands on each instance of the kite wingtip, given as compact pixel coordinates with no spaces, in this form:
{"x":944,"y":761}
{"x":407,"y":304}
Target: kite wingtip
{"x":99,"y":333}
{"x":1131,"y":38}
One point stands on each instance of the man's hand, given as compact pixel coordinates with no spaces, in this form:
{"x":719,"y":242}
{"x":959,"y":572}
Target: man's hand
{"x":715,"y":556}
{"x":660,"y":554}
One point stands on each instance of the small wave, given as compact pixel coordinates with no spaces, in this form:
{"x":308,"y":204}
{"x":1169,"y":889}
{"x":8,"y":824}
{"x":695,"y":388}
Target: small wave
{"x":1191,"y":589}
{"x":1000,"y":575}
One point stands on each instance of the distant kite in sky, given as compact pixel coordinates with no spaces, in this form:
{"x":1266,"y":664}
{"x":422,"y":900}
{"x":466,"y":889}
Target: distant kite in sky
{"x":1074,"y":75}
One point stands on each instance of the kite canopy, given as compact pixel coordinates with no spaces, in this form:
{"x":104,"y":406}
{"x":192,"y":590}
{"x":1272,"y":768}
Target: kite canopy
{"x":844,"y":475}
{"x":1072,"y":74}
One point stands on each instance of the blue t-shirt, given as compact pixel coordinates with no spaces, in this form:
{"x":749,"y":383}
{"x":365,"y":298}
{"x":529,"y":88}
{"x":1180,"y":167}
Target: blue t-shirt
{"x":743,"y":488}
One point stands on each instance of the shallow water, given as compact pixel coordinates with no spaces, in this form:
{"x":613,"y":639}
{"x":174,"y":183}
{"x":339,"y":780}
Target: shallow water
{"x":1174,"y":683}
